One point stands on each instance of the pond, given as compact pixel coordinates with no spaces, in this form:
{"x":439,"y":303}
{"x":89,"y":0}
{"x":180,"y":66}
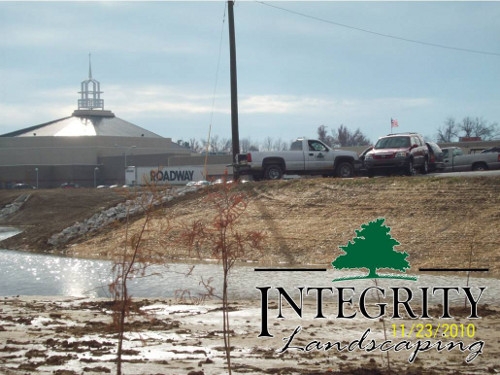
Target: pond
{"x":24,"y":273}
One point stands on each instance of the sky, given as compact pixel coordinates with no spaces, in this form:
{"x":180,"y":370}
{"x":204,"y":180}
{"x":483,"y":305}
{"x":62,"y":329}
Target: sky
{"x":164,"y":65}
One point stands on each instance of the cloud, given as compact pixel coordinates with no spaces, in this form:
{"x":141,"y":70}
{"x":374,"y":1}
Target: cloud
{"x":280,"y":104}
{"x":138,"y":103}
{"x":290,"y":104}
{"x":169,"y":100}
{"x":157,"y":99}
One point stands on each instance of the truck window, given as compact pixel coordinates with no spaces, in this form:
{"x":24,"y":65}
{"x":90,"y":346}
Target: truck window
{"x":296,"y":146}
{"x":457,"y":152}
{"x":316,"y":146}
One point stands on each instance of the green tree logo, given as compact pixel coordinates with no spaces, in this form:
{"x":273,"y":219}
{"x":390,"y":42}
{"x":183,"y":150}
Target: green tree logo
{"x":373,"y":248}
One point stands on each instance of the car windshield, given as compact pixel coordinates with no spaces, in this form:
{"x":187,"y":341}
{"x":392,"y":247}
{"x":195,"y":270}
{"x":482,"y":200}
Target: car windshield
{"x":393,"y":142}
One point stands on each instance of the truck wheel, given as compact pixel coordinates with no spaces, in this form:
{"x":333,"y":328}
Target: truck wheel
{"x":410,"y":169}
{"x":425,"y":167}
{"x":480,"y":167}
{"x":345,"y":169}
{"x":273,"y":172}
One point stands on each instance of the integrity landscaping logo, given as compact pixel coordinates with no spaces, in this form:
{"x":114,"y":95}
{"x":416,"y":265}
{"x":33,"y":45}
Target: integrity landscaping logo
{"x":422,"y":317}
{"x":373,"y":248}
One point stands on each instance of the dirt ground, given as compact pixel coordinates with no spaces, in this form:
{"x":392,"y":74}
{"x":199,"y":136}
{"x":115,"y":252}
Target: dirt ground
{"x":439,"y":222}
{"x":70,"y":336}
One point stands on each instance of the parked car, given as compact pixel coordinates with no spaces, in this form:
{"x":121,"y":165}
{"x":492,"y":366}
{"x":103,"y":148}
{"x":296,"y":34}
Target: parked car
{"x":436,"y":161}
{"x":69,"y":185}
{"x":305,"y":157}
{"x":456,"y":160}
{"x":202,"y":183}
{"x":491,"y":149}
{"x":398,"y":153}
{"x":23,"y":185}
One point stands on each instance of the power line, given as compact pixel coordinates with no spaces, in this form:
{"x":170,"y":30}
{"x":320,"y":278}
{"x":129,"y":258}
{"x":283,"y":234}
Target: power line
{"x":218,"y":63}
{"x":215,"y":89}
{"x":380,"y":34}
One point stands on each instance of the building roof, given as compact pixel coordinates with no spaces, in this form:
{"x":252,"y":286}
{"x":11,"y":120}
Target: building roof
{"x":85,"y":123}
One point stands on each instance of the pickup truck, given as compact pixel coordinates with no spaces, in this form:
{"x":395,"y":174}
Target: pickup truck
{"x":305,"y":157}
{"x":455,"y":160}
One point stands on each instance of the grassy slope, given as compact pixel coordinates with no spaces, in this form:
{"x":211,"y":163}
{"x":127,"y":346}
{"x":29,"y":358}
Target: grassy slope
{"x":438,"y":221}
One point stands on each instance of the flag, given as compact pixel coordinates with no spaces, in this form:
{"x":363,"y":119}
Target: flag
{"x":394,"y":123}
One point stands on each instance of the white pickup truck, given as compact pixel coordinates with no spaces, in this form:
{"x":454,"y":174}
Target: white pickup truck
{"x":455,"y":160}
{"x":305,"y":157}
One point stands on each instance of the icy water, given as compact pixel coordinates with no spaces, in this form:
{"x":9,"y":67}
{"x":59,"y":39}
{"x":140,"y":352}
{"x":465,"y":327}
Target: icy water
{"x":6,"y":232}
{"x":23,"y":273}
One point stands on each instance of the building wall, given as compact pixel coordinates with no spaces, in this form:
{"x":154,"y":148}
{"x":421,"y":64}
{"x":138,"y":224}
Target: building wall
{"x":79,"y":150}
{"x":47,"y":176}
{"x":74,"y":159}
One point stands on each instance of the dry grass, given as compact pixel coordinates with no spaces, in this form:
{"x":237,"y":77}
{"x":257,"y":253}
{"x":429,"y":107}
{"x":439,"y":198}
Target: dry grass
{"x":438,"y":221}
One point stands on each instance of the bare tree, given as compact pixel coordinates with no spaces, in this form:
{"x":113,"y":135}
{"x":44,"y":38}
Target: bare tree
{"x":448,"y":132}
{"x":323,"y":136}
{"x":132,"y":259}
{"x":247,"y":145}
{"x":481,"y":128}
{"x":194,"y":145}
{"x":226,"y":240}
{"x":214,"y":144}
{"x":244,"y":145}
{"x":469,"y":127}
{"x":343,"y":137}
{"x":226,"y":145}
{"x":183,"y":143}
{"x":280,"y":145}
{"x":267,"y":144}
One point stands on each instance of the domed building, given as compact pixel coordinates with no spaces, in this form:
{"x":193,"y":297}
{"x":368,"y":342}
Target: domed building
{"x":92,"y":146}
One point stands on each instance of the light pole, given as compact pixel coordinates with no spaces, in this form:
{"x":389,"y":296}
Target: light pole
{"x":36,"y":170}
{"x":125,"y":155}
{"x":95,"y":178}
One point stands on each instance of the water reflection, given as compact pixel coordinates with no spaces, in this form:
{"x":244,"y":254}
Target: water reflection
{"x":6,"y":232}
{"x":24,"y":273}
{"x":37,"y":274}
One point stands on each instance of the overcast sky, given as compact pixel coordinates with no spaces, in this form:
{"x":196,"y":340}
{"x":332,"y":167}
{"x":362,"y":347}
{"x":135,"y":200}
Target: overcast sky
{"x":165,"y":65}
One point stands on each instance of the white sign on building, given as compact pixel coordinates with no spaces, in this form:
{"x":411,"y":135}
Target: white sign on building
{"x":179,"y":175}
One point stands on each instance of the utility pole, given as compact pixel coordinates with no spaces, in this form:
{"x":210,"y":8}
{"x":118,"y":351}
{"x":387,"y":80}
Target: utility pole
{"x":234,"y":86}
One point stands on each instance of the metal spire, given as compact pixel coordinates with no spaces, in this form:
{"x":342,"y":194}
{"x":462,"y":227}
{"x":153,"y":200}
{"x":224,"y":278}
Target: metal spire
{"x":90,"y":67}
{"x":90,"y":92}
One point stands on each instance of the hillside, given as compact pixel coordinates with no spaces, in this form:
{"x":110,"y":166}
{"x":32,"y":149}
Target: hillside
{"x":50,"y":211}
{"x":452,"y":222}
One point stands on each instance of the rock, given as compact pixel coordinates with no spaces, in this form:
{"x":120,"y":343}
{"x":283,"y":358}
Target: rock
{"x":105,"y":217}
